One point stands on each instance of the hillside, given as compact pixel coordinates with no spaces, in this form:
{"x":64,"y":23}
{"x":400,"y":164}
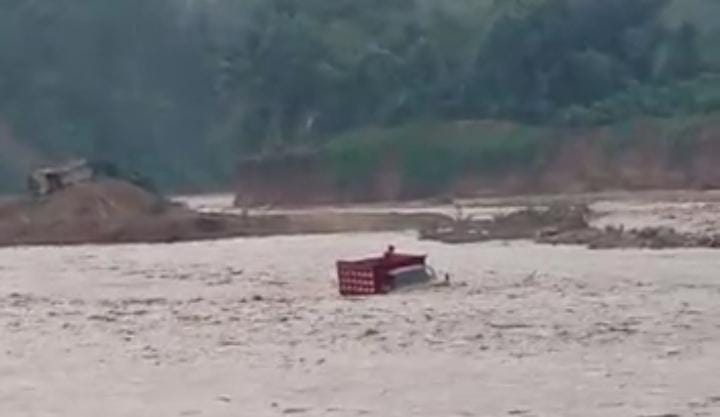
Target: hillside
{"x":704,"y":15}
{"x":465,"y":159}
{"x":197,"y":86}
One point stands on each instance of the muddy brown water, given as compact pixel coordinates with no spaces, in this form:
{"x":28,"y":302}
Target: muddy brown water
{"x":255,"y":327}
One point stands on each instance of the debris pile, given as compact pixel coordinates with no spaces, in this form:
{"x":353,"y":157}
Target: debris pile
{"x":523,"y":224}
{"x":106,"y":210}
{"x":644,"y":238}
{"x":102,"y":211}
{"x":565,"y":225}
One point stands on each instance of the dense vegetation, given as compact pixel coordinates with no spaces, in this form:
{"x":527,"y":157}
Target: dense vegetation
{"x":181,"y":89}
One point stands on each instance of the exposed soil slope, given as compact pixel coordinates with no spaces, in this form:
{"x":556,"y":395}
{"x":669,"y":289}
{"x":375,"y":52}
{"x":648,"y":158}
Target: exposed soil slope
{"x":112,"y":211}
{"x":490,"y":158}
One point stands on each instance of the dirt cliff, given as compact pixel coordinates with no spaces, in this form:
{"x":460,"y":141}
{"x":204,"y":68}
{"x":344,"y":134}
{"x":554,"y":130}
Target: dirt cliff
{"x":481,"y":158}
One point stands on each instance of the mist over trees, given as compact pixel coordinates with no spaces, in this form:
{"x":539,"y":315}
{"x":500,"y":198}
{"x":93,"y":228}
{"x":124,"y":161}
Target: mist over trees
{"x":180,"y":89}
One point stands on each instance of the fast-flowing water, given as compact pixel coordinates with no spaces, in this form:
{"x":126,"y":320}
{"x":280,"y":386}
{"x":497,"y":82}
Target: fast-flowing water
{"x":255,"y":327}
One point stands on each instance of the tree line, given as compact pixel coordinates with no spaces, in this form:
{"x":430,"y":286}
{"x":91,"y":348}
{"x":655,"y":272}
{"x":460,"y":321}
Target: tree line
{"x":180,"y":89}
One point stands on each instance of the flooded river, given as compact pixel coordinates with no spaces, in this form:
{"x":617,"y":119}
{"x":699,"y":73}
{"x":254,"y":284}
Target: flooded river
{"x":254,"y":327}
